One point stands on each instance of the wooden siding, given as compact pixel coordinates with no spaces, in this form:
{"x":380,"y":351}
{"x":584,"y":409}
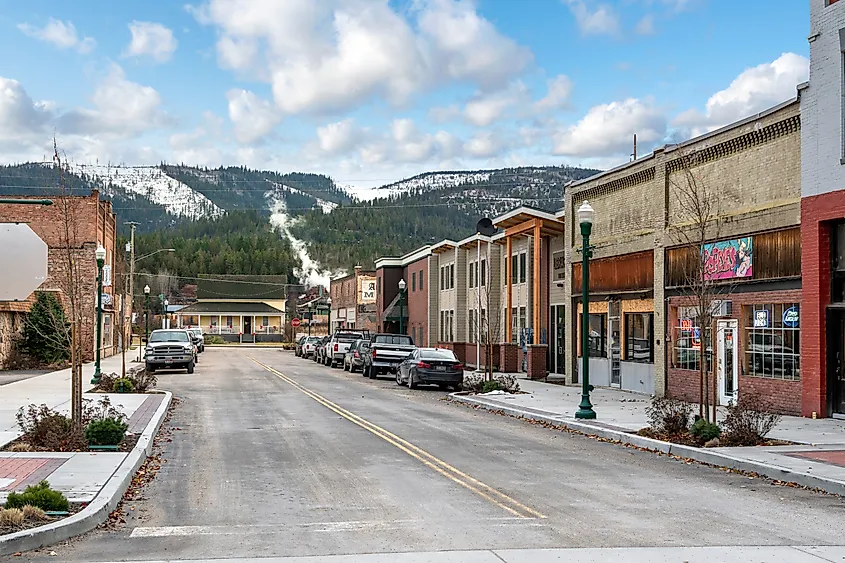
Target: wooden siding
{"x":776,"y":254}
{"x":631,"y":272}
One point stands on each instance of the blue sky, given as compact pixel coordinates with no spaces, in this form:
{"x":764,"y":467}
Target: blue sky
{"x":371,"y":91}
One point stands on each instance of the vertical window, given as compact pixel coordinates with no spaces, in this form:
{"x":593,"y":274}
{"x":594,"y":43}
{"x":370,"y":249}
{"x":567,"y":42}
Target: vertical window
{"x":378,"y":285}
{"x":265,"y":322}
{"x":472,"y":274}
{"x":471,"y":325}
{"x":689,"y":339}
{"x":523,"y":267}
{"x":523,"y":318}
{"x":440,"y":331}
{"x":514,"y":325}
{"x":414,"y":281}
{"x":483,"y":278}
{"x":421,"y":281}
{"x":515,"y":269}
{"x":451,"y":326}
{"x":639,"y":337}
{"x":229,"y":322}
{"x":772,"y":347}
{"x":598,"y":334}
{"x":482,"y":326}
{"x":451,"y":276}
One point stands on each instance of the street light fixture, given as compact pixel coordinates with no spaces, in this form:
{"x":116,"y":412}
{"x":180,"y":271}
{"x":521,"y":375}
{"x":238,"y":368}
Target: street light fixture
{"x":100,"y":255}
{"x":402,"y":286}
{"x":154,"y":253}
{"x":586,"y":214}
{"x":147,"y":313}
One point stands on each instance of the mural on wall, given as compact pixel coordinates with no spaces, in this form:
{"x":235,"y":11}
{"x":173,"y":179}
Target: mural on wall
{"x":366,"y":290}
{"x":728,"y":259}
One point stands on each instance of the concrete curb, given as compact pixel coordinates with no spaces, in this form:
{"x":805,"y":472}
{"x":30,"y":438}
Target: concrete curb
{"x":709,"y":456}
{"x":103,"y":504}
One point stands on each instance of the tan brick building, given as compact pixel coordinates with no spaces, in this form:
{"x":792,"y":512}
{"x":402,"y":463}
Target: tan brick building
{"x":644,"y":333}
{"x":354,"y":301}
{"x":92,"y":223}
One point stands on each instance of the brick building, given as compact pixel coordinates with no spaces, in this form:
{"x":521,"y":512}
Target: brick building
{"x":354,"y":301}
{"x":644,"y":330}
{"x":417,"y":309}
{"x":823,"y":216}
{"x":91,"y":223}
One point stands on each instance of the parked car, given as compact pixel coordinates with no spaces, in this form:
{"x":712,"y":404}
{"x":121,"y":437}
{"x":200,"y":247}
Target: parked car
{"x":198,"y":338}
{"x":431,"y":366}
{"x":321,"y":349}
{"x":170,"y":349}
{"x":387,"y":351}
{"x":354,"y":357}
{"x":309,"y":346}
{"x":299,"y":345}
{"x":339,"y":343}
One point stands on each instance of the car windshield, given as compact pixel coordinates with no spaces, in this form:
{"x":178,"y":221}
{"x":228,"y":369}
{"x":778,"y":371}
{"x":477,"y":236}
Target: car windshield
{"x":447,"y":355}
{"x":169,"y":336}
{"x":393,"y":339}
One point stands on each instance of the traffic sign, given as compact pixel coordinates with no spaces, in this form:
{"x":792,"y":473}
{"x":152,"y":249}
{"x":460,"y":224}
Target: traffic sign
{"x":23,"y":259}
{"x":295,"y":322}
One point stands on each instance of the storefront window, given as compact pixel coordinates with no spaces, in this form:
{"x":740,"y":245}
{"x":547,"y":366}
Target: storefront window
{"x":639,"y":337}
{"x":598,"y":334}
{"x":689,"y":338}
{"x":772,"y":346}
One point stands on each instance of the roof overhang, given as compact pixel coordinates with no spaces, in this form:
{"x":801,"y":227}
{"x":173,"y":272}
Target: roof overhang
{"x":443,"y":246}
{"x":472,"y":241}
{"x":521,"y":215}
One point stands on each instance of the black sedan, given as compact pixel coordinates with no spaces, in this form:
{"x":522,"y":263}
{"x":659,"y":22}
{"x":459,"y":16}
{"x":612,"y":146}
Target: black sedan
{"x":431,"y":366}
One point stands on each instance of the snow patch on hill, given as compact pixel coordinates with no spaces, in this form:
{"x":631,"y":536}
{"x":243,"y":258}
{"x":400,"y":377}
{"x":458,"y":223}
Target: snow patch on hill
{"x":428,"y":181}
{"x":150,"y":182}
{"x":327,"y":206}
{"x":311,"y":273}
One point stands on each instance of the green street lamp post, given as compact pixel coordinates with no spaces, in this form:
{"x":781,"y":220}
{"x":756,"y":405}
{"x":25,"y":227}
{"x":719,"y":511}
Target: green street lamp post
{"x":147,"y":314}
{"x":402,"y":286}
{"x":585,"y":218}
{"x":100,"y":255}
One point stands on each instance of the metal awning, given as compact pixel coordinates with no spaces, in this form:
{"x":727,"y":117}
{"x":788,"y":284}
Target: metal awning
{"x":391,"y":313}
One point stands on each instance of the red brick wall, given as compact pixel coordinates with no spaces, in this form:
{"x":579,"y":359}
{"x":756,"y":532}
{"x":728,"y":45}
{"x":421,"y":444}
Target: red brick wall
{"x":817,"y":214}
{"x":470,"y":352}
{"x":784,"y":396}
{"x":510,"y":357}
{"x":537,"y":361}
{"x":684,"y":384}
{"x":417,"y":299}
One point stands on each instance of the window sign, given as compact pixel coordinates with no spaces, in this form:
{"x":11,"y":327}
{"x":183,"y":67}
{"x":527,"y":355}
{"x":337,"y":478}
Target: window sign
{"x":790,"y":317}
{"x":728,"y":259}
{"x":761,"y":318}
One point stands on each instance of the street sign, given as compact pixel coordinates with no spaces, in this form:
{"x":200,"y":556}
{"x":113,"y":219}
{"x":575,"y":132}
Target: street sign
{"x":295,"y":322}
{"x":23,"y":259}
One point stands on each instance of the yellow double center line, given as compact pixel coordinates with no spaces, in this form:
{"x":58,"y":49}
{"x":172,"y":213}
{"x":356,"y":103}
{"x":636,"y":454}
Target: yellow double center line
{"x":487,"y":492}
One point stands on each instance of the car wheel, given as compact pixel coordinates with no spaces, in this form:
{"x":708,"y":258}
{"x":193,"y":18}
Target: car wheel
{"x":373,"y":372}
{"x":458,"y":387}
{"x":190,"y":367}
{"x":411,"y":383}
{"x":443,"y":387}
{"x":365,"y":371}
{"x":398,"y":379}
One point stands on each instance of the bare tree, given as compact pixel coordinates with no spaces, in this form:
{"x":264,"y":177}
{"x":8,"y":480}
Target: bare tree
{"x":696,"y":223}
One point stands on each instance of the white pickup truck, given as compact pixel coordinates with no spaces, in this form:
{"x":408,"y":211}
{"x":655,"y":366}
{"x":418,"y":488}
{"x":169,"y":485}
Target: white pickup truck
{"x":338,"y":345}
{"x":386,"y":352}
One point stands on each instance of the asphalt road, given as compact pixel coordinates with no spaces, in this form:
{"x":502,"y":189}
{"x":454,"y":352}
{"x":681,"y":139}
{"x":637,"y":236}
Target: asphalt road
{"x":283,"y":457}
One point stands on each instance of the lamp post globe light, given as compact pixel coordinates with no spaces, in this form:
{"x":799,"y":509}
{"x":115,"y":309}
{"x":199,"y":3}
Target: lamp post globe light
{"x":100,"y":255}
{"x":147,"y":313}
{"x":586,"y":214}
{"x":402,"y":286}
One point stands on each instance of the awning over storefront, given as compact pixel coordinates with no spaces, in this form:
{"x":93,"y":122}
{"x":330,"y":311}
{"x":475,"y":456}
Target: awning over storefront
{"x":391,"y":313}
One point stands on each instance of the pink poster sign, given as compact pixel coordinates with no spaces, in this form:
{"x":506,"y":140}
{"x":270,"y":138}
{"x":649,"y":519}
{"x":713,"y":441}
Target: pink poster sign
{"x":728,"y":259}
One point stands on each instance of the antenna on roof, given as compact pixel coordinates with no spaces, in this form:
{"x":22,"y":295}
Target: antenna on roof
{"x":634,"y":154}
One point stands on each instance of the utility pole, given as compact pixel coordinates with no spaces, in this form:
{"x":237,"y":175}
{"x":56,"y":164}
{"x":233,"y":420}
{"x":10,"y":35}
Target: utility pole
{"x":132,"y":226}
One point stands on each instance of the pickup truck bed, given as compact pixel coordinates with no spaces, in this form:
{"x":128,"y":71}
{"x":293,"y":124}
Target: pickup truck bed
{"x":386,"y":353}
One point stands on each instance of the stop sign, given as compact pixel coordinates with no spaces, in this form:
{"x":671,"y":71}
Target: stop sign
{"x":23,"y":259}
{"x":295,"y":322}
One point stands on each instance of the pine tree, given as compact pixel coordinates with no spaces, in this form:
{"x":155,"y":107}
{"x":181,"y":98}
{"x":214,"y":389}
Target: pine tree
{"x":46,"y":332}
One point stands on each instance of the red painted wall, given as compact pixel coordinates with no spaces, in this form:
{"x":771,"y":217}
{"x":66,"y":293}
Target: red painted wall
{"x":417,"y":300}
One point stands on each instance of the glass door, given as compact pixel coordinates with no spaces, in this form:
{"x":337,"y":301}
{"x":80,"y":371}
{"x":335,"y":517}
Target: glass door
{"x":560,"y":343}
{"x":615,"y":344}
{"x":728,"y":361}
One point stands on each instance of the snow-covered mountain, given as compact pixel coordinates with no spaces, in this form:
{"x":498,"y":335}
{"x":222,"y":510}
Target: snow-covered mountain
{"x":428,"y":181}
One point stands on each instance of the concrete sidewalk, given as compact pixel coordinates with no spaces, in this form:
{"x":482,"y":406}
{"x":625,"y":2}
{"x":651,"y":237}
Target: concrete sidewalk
{"x":818,"y":461}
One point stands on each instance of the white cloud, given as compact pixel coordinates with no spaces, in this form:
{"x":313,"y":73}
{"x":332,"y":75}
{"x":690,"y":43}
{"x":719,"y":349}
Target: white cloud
{"x":646,"y":25}
{"x":152,"y":40}
{"x":444,"y":114}
{"x":608,"y":129}
{"x":557,"y":95}
{"x":484,"y":144}
{"x":122,"y":108}
{"x":339,"y":54}
{"x":339,"y":137}
{"x":485,"y":109}
{"x":603,"y":20}
{"x":62,"y":35}
{"x":252,"y":117}
{"x":754,"y":90}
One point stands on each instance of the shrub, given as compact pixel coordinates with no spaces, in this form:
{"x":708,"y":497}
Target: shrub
{"x":33,"y":513}
{"x":122,"y":385}
{"x":488,"y":386}
{"x":705,"y":431}
{"x":46,"y":334}
{"x":142,"y":380}
{"x":108,"y":432}
{"x":44,"y":428}
{"x":473,"y":382}
{"x":107,"y":381}
{"x":11,"y":518}
{"x":102,"y":410}
{"x":507,"y":383}
{"x":40,"y":496}
{"x":214,"y":339}
{"x":669,"y":416}
{"x":749,"y":420}
{"x":21,"y":447}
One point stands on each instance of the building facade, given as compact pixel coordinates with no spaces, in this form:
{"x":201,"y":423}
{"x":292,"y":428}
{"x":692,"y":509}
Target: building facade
{"x":823,"y":215}
{"x":353,"y":302}
{"x":653,"y":246}
{"x":73,"y":227}
{"x":409,"y":311}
